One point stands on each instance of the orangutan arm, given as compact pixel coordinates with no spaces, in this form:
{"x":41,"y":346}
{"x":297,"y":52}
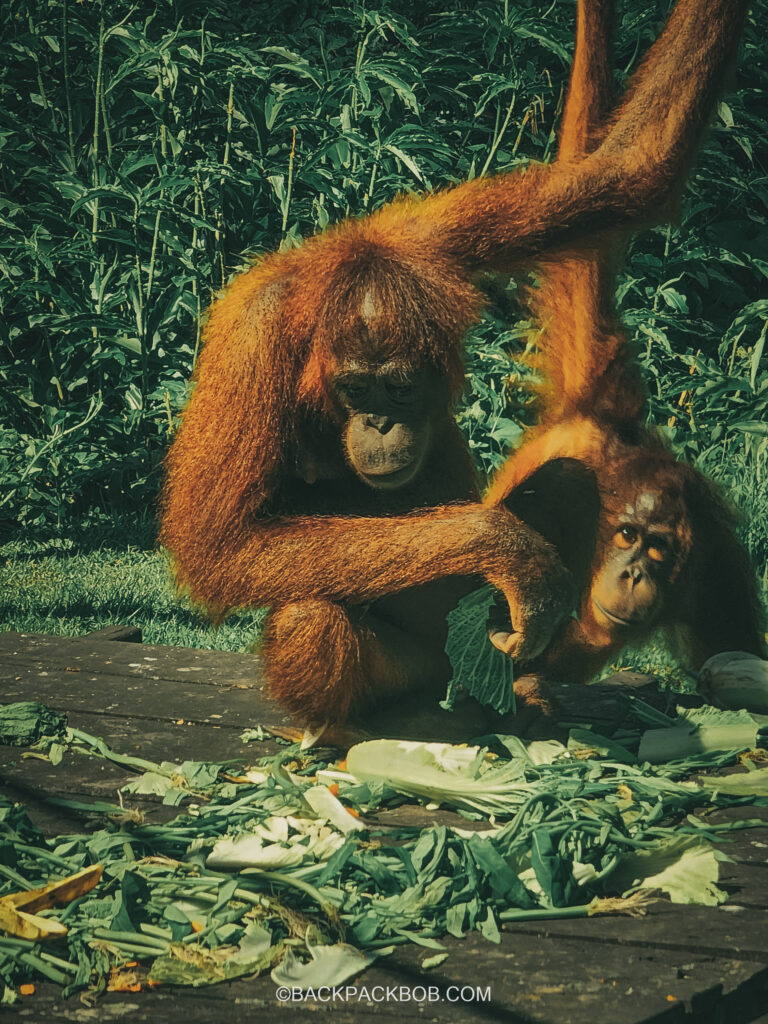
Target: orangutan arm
{"x":356,"y":560}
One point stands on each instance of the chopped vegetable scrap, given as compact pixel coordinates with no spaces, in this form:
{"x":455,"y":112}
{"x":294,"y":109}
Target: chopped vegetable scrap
{"x":16,"y":908}
{"x":282,"y":867}
{"x":24,"y":723}
{"x":735,"y":679}
{"x":701,"y":731}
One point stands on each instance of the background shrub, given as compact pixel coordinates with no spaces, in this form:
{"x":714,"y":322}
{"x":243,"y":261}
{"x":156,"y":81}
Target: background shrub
{"x":147,"y":149}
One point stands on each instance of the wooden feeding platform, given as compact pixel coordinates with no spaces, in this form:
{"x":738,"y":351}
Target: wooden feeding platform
{"x":676,"y":964}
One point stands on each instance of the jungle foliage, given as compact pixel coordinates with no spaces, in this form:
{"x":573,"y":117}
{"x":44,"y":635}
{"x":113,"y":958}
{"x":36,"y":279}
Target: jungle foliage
{"x":149,"y":149}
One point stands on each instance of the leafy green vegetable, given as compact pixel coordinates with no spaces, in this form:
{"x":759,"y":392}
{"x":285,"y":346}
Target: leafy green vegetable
{"x":703,"y":731}
{"x":255,"y":735}
{"x":196,"y":967}
{"x":439,"y":772}
{"x":325,"y":804}
{"x":329,"y":965}
{"x":478,"y":667}
{"x":754,"y":784}
{"x":260,"y":868}
{"x":433,"y":961}
{"x":686,"y":868}
{"x":585,"y":741}
{"x":275,"y":843}
{"x":25,"y":723}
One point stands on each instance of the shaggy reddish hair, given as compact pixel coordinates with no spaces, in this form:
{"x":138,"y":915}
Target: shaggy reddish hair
{"x":594,"y":413}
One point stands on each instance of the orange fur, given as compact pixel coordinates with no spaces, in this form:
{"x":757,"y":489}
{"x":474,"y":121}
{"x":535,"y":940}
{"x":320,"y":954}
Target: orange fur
{"x":259,"y":506}
{"x":594,"y":411}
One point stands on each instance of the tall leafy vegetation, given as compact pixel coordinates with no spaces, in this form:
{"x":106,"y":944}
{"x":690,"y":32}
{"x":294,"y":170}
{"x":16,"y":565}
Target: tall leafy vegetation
{"x":149,"y":149}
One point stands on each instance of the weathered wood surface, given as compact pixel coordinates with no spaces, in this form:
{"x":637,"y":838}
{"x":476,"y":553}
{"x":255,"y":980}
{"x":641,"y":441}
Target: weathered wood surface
{"x":677,"y":964}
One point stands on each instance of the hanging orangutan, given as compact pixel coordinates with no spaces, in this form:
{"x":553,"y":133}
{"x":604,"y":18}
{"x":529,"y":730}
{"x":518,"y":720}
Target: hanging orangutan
{"x":649,"y":540}
{"x":318,"y":468}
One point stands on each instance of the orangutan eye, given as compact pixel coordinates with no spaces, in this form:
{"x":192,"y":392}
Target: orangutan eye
{"x":351,"y":389}
{"x":659,"y":549}
{"x":625,"y":537}
{"x":400,"y":390}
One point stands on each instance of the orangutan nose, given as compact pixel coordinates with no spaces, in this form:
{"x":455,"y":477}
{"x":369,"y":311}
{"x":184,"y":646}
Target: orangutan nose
{"x":381,"y":423}
{"x":633,"y":573}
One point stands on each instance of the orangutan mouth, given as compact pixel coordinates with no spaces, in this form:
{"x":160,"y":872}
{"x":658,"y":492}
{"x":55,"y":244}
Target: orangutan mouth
{"x":613,"y":618}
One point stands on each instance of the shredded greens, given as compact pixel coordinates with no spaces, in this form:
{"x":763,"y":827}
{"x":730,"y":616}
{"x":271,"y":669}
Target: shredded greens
{"x":279,"y":867}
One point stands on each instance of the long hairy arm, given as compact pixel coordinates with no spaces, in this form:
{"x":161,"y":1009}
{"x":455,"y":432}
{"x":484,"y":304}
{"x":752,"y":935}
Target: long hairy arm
{"x":629,"y":179}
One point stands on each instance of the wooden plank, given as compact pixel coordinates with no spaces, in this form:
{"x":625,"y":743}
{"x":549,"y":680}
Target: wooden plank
{"x":165,"y":683}
{"x":23,"y":654}
{"x":154,"y":700}
{"x":128,"y":634}
{"x":724,"y":931}
{"x":44,"y":663}
{"x":519,"y":981}
{"x":673,"y":965}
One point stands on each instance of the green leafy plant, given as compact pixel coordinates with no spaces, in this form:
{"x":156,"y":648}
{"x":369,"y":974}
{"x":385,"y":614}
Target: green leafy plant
{"x":150,"y":150}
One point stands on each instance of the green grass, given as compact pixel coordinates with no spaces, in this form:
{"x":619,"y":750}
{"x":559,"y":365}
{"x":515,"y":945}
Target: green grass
{"x":107,"y":576}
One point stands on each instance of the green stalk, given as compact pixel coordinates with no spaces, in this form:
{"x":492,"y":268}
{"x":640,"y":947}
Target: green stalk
{"x":96,"y":117}
{"x":70,"y":908}
{"x":125,"y":760}
{"x":156,"y":931}
{"x":145,"y":341}
{"x":400,"y":940}
{"x":604,"y":872}
{"x":153,"y":251}
{"x":57,"y":961}
{"x":136,"y":951}
{"x":105,"y":122}
{"x":519,"y":139}
{"x":289,"y":189}
{"x":14,"y":876}
{"x":8,"y":942}
{"x":36,"y":963}
{"x":46,"y":105}
{"x":97,"y":807}
{"x":163,"y":129}
{"x":67,"y":89}
{"x":498,"y":137}
{"x":374,"y":170}
{"x":228,"y":918}
{"x":19,"y":946}
{"x":542,"y":913}
{"x":230,"y":111}
{"x":224,"y":163}
{"x":103,"y":103}
{"x":278,"y":878}
{"x":656,"y":300}
{"x":41,"y":854}
{"x":131,"y":938}
{"x":199,"y":211}
{"x":139,"y":304}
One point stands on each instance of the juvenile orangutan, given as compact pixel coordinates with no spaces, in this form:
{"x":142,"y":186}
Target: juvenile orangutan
{"x":650,"y":541}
